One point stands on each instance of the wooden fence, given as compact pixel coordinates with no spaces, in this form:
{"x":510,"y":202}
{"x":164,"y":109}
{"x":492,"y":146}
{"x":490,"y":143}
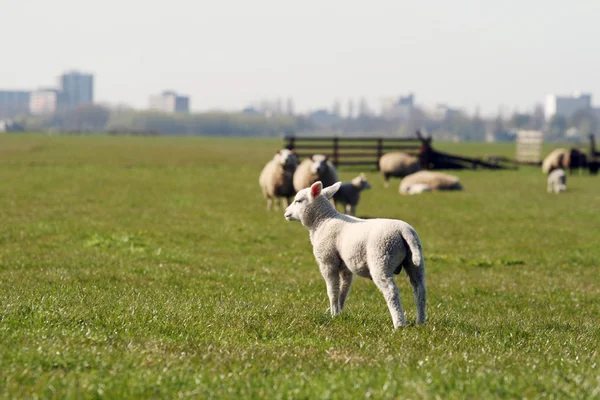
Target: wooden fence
{"x":351,"y":151}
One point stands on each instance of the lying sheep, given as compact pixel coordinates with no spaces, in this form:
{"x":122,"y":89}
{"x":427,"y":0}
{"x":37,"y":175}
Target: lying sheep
{"x":345,"y":246}
{"x":418,"y":188}
{"x":349,"y":193}
{"x":397,"y":164}
{"x":315,"y":168}
{"x":429,"y":181}
{"x":557,"y":181}
{"x":276,"y":178}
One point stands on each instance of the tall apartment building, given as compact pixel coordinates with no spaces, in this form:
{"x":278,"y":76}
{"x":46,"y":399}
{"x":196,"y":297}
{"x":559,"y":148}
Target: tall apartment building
{"x":78,"y":88}
{"x":170,"y":102}
{"x":47,"y":101}
{"x":13,"y":102}
{"x":566,"y":106}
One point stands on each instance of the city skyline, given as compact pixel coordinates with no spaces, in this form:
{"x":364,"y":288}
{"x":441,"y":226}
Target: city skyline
{"x":230,"y":54}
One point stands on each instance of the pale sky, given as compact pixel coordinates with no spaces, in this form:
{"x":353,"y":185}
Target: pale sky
{"x":226,"y":54}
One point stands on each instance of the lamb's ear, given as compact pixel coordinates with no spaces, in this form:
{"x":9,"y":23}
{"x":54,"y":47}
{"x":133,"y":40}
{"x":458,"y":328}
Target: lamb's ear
{"x":331,"y":190}
{"x":316,"y":189}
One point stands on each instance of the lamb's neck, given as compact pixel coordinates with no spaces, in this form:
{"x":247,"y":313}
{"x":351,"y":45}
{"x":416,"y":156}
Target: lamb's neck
{"x":320,"y":215}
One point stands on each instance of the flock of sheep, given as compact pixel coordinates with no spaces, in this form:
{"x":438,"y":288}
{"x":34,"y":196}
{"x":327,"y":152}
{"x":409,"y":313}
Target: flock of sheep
{"x":377,"y":249}
{"x":284,"y":176}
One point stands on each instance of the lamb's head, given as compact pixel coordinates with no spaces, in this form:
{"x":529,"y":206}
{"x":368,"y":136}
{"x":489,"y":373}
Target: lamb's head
{"x":361,"y":182}
{"x":286,"y":158}
{"x":319,"y":164}
{"x":312,"y":202}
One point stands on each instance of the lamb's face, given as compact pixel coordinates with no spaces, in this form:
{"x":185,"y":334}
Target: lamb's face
{"x":306,"y":202}
{"x":319,"y":164}
{"x":295,"y":210}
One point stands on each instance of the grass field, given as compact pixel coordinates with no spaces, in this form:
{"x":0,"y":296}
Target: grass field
{"x":149,"y":268}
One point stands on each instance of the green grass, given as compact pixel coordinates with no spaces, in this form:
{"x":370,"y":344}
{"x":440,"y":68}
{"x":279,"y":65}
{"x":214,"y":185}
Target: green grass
{"x":148,"y":268}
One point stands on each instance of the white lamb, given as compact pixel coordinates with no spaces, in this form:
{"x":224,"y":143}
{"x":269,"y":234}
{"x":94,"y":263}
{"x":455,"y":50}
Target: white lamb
{"x":557,"y":181}
{"x":349,"y":193}
{"x":276,"y":178}
{"x":375,"y":249}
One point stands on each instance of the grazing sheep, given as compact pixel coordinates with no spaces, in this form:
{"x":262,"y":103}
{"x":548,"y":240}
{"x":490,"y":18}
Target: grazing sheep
{"x":554,"y":160}
{"x":397,"y":164}
{"x":429,"y":181}
{"x":315,"y":168}
{"x":349,"y":193}
{"x":562,"y":159}
{"x":557,"y":181}
{"x":345,"y":246}
{"x":276,"y":178}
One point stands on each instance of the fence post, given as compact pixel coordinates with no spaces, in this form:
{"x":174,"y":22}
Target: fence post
{"x":335,"y":151}
{"x":379,"y":152}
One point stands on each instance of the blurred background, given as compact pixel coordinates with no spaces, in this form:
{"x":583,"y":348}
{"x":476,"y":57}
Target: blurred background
{"x":462,"y":70}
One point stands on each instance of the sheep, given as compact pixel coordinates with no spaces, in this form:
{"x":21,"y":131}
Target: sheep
{"x":429,"y":181}
{"x":418,"y":188}
{"x":315,"y":168}
{"x":562,"y":159}
{"x":397,"y":164}
{"x":345,"y":246}
{"x":276,"y":178}
{"x":554,"y":160}
{"x":349,"y":193}
{"x":557,"y":181}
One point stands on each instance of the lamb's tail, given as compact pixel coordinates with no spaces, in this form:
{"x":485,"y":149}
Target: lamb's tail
{"x":414,"y":244}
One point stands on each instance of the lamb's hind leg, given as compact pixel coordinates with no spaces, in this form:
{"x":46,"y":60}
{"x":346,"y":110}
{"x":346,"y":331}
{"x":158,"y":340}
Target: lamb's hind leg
{"x":387,"y":286}
{"x":416,"y":274}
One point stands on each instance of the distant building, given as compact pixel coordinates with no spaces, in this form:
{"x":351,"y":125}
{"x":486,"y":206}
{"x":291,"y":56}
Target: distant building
{"x":170,"y":102}
{"x":13,"y":102}
{"x":78,"y":88}
{"x":566,"y":106}
{"x":398,"y":108}
{"x":441,"y":112}
{"x":47,"y":101}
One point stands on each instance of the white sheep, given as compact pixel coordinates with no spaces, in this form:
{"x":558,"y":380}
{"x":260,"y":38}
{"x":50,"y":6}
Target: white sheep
{"x":429,"y":181}
{"x":418,"y":188}
{"x":349,"y":193}
{"x":556,"y":159}
{"x":397,"y":164}
{"x":276,"y":178}
{"x":376,"y":249}
{"x":315,"y":168}
{"x":557,"y":181}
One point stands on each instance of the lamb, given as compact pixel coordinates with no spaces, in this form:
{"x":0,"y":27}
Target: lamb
{"x":345,"y":246}
{"x":557,"y":181}
{"x":429,"y":181}
{"x":397,"y":164}
{"x":276,"y":178}
{"x":315,"y":168}
{"x":349,"y":193}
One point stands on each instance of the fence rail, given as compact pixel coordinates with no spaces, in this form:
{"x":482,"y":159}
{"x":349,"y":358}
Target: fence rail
{"x":344,"y":151}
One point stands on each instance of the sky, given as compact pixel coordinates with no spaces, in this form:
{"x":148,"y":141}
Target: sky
{"x":227,"y":54}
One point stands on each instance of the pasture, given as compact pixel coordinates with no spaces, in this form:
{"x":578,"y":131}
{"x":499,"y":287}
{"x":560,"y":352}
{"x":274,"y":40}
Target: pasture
{"x":149,"y":268}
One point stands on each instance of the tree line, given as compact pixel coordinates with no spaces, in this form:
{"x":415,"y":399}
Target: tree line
{"x":455,"y":126}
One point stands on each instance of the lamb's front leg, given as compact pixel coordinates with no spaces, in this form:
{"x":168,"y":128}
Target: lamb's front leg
{"x":345,"y":283}
{"x":332,"y":279}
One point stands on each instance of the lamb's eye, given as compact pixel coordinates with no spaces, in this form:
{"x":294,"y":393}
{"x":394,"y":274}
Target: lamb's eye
{"x":299,"y":200}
